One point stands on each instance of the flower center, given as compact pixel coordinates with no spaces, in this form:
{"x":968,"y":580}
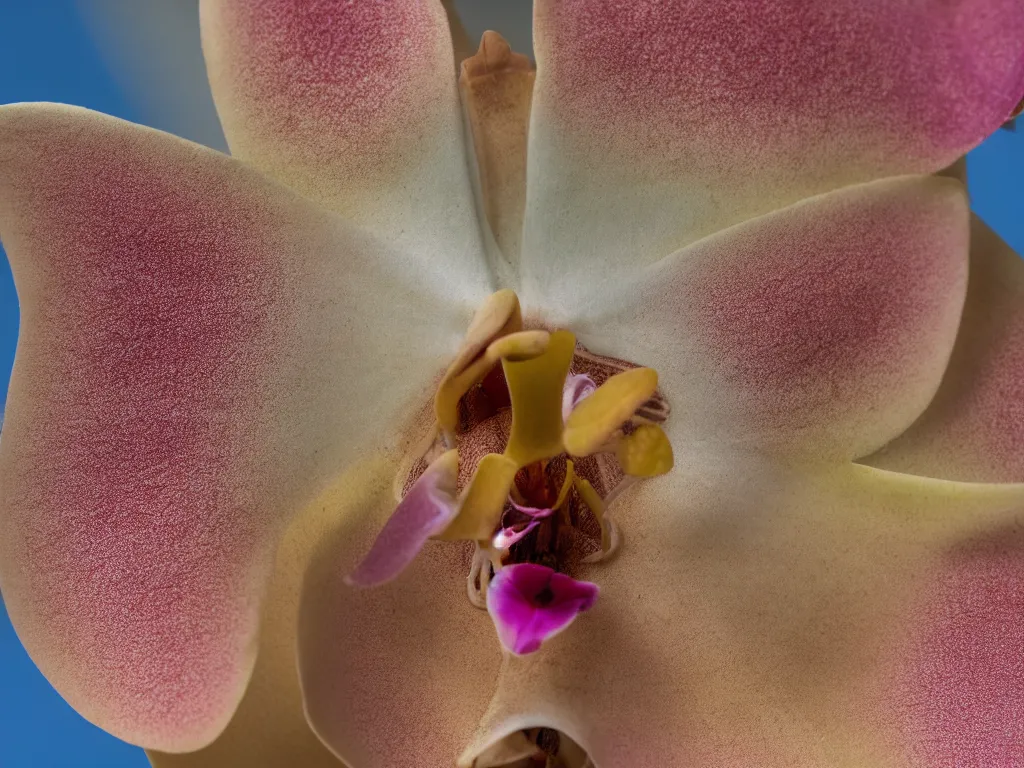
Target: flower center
{"x":536,"y":437}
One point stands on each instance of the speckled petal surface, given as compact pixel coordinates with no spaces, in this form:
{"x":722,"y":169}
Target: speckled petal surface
{"x":354,"y":104}
{"x":761,"y":615}
{"x":196,"y":361}
{"x":269,"y":728}
{"x":657,"y":122}
{"x":823,"y":328}
{"x":974,"y":428}
{"x":399,"y":674}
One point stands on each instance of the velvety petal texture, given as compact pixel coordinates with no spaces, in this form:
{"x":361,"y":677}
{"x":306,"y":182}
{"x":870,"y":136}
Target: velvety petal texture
{"x":399,"y":674}
{"x":974,"y":428}
{"x":269,"y":728}
{"x":657,"y":122}
{"x":765,"y":615}
{"x":824,"y":327}
{"x":354,"y":104}
{"x":196,"y":361}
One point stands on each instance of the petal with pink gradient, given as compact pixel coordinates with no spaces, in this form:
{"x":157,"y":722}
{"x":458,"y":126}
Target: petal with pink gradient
{"x":974,"y":428}
{"x":773,"y":607}
{"x":354,"y":104}
{"x":197,"y":358}
{"x":423,"y":512}
{"x":512,"y":534}
{"x":656,"y":123}
{"x":960,"y":696}
{"x":531,"y":603}
{"x":399,"y":674}
{"x":823,"y":328}
{"x":578,"y":387}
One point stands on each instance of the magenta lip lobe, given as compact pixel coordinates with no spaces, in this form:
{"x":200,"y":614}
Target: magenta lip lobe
{"x":531,"y":603}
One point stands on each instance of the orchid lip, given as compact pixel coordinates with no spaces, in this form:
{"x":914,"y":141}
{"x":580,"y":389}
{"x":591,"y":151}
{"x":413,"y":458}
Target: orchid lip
{"x":530,"y":604}
{"x":533,"y":513}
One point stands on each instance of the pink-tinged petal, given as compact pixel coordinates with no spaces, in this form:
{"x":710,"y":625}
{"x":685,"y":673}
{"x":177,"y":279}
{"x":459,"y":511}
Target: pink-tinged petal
{"x":534,"y":512}
{"x":824,"y":328}
{"x":399,"y":674}
{"x":199,"y":355}
{"x":269,"y":728}
{"x":657,"y":122}
{"x":773,"y":608}
{"x":423,"y":512}
{"x":509,"y":535}
{"x":961,"y":691}
{"x":354,"y":104}
{"x":974,"y":428}
{"x":531,"y":603}
{"x":578,"y":387}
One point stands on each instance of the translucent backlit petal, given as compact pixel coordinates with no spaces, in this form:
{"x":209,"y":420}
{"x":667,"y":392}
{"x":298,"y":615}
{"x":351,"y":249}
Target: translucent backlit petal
{"x":824,"y":328}
{"x":198,"y":356}
{"x":655,"y":123}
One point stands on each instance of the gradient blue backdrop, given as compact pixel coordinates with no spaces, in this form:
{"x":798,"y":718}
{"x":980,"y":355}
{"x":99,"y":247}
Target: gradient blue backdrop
{"x":47,"y":54}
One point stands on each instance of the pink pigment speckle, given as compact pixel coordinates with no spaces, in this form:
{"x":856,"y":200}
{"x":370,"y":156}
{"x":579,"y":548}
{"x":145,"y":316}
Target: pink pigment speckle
{"x":963,"y":693}
{"x":903,"y":79}
{"x":329,"y":70}
{"x":974,"y":428}
{"x":829,"y":313}
{"x":145,"y":353}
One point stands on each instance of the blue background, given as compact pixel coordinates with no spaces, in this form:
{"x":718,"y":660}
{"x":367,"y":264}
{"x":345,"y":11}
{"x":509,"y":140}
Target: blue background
{"x":49,"y":53}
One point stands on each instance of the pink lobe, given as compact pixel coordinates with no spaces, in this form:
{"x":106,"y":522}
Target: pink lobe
{"x":973,"y":429}
{"x":577,"y":387}
{"x":425,"y":511}
{"x":656,"y":123}
{"x":531,"y":603}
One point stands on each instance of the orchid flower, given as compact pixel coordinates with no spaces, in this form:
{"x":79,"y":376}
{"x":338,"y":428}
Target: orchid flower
{"x":233,"y":372}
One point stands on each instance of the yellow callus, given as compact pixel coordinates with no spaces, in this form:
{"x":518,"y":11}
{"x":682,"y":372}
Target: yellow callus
{"x":596,"y":418}
{"x":645,"y":453}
